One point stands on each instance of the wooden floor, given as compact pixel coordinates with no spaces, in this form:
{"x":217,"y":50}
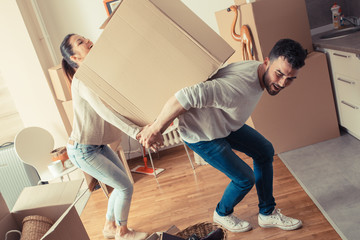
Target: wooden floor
{"x":183,"y":198}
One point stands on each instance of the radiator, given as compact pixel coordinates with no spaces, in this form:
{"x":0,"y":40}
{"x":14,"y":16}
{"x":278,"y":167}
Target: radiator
{"x":171,"y":138}
{"x":14,"y":174}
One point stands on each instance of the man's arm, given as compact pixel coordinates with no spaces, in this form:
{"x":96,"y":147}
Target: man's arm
{"x":151,"y":135}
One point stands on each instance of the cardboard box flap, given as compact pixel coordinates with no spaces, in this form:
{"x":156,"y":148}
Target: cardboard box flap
{"x":180,"y":14}
{"x":68,"y":226}
{"x":6,"y":224}
{"x":3,"y":207}
{"x":48,"y":195}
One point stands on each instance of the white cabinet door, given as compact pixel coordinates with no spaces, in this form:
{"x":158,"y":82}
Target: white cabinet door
{"x":346,"y":78}
{"x":345,"y":63}
{"x":350,"y":117}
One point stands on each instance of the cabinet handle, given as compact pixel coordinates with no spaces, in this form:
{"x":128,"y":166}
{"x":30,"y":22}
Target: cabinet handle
{"x":341,"y":55}
{"x":350,"y":105}
{"x":346,"y":81}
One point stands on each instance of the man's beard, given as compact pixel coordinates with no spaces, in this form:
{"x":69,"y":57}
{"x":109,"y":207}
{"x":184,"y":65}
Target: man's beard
{"x":267,"y":84}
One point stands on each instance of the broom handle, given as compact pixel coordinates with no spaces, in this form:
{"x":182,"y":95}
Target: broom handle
{"x":145,"y":158}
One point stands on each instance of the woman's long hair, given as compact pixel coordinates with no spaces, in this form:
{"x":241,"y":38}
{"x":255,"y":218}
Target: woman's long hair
{"x":69,"y":67}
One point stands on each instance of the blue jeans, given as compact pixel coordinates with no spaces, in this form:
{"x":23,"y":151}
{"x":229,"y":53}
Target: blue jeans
{"x":102,"y":163}
{"x":219,"y":153}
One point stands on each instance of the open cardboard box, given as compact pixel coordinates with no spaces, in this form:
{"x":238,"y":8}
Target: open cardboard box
{"x":55,"y":201}
{"x":150,"y":49}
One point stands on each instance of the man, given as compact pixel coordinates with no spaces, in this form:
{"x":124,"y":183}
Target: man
{"x":212,"y":117}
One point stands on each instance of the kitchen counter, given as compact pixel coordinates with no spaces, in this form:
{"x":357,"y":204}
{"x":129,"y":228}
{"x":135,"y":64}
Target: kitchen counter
{"x":349,"y":43}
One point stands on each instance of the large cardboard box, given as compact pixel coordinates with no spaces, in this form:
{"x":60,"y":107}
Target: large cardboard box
{"x":302,"y":114}
{"x":148,"y":50}
{"x":269,"y":21}
{"x":55,"y":201}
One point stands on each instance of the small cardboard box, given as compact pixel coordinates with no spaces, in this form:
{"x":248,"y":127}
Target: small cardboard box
{"x":68,"y":108}
{"x":55,"y":201}
{"x":148,"y":50}
{"x":58,"y":79}
{"x":269,"y":21}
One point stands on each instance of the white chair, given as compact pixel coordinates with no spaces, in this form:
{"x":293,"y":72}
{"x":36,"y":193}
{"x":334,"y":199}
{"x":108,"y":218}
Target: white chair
{"x":33,"y":146}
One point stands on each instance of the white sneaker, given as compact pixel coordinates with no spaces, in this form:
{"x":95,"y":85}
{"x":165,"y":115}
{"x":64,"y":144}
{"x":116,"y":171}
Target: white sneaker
{"x":132,"y":235}
{"x":232,"y":223}
{"x":277,"y":219}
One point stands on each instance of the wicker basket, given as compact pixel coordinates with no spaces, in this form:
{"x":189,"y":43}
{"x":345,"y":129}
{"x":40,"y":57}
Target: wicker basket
{"x":34,"y":227}
{"x":201,"y":230}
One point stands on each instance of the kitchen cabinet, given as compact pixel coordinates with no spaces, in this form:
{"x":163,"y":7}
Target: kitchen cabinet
{"x":345,"y":68}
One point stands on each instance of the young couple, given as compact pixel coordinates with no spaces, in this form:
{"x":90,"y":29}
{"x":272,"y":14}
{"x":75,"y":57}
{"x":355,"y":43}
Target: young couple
{"x":212,"y":117}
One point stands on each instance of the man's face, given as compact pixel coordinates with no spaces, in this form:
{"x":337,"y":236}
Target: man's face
{"x":278,"y":75}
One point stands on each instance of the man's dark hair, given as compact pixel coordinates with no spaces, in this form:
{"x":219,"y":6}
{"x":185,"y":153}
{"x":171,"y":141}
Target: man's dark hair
{"x":291,"y":50}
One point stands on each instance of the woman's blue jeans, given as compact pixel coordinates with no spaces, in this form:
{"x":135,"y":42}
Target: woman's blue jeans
{"x":219,"y":153}
{"x":103,"y":164}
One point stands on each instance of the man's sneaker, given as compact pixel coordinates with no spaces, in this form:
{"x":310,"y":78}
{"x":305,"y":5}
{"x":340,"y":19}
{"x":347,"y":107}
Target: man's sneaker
{"x":277,"y":219}
{"x":232,"y":223}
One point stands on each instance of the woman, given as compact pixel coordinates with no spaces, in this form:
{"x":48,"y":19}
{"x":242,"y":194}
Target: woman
{"x":95,"y":125}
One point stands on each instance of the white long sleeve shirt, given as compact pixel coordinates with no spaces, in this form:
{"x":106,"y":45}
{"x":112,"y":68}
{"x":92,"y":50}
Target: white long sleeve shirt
{"x":221,"y":105}
{"x":94,"y":122}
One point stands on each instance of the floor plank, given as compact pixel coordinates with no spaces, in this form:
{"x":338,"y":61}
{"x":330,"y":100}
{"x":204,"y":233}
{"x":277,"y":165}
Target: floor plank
{"x":180,"y":197}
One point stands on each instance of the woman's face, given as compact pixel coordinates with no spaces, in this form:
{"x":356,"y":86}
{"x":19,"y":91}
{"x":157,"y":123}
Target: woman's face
{"x":81,"y":47}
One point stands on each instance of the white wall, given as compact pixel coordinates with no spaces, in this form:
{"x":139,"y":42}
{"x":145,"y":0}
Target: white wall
{"x":62,"y":17}
{"x":10,"y":121}
{"x":24,"y":76}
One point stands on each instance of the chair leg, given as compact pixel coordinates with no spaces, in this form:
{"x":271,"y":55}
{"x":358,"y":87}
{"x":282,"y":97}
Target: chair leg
{"x":104,"y":188}
{"x":122,"y":157}
{"x":152,"y":163}
{"x":188,"y":154}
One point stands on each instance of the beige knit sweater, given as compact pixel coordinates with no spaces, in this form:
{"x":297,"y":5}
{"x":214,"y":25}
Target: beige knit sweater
{"x":94,"y":122}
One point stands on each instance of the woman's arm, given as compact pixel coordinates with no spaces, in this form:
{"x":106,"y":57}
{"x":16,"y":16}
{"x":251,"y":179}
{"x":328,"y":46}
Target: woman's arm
{"x":107,"y":113}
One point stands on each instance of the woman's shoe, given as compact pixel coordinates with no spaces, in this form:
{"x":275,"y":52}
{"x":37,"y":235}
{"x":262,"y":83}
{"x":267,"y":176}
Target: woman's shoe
{"x":109,"y":234}
{"x":132,"y":235}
